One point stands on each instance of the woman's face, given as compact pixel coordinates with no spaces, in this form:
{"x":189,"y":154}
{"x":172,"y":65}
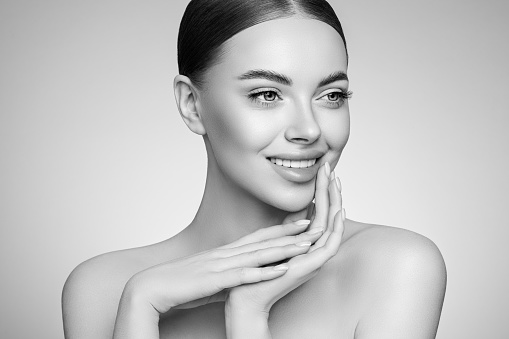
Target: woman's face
{"x":274,"y":108}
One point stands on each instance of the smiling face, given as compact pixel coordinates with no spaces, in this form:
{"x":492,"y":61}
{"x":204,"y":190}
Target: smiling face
{"x":274,"y":109}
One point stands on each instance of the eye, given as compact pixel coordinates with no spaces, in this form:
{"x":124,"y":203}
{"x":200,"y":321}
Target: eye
{"x":269,"y":96}
{"x":335,"y":98}
{"x":265,"y":97}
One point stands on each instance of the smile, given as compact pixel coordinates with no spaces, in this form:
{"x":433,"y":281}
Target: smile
{"x":293,"y":163}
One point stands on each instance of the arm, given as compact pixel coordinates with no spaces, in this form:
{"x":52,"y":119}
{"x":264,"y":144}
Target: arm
{"x":192,"y":281}
{"x":98,"y":287}
{"x":89,"y":305}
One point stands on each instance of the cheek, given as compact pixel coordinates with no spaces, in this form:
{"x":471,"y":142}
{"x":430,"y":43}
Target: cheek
{"x":336,"y":130}
{"x":232,"y":129}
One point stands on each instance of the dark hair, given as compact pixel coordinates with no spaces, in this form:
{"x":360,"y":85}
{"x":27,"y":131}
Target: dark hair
{"x":207,"y":24}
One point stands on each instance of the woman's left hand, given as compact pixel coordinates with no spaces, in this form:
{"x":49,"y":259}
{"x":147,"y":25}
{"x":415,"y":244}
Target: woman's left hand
{"x":251,"y":303}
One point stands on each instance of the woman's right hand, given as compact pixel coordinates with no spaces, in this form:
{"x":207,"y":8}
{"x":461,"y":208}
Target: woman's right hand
{"x":195,"y":280}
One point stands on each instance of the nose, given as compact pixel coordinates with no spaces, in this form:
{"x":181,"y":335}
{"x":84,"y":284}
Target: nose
{"x":303,"y":128}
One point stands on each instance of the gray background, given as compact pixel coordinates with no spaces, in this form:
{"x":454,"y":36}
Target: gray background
{"x":94,"y":156}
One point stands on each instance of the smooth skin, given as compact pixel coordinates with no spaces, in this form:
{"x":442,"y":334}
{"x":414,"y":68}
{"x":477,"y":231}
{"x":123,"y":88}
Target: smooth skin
{"x":217,"y":277}
{"x":197,"y":280}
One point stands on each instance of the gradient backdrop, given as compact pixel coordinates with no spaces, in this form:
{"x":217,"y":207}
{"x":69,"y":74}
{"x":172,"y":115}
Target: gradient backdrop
{"x":94,"y":156}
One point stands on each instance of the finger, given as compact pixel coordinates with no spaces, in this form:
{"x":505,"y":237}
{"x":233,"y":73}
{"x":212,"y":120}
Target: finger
{"x":334,"y":240}
{"x":321,"y":197}
{"x":303,"y":267}
{"x":263,"y":257}
{"x":311,"y":236}
{"x":322,"y":254}
{"x":271,"y":232}
{"x":249,"y":275}
{"x":334,"y":208}
{"x":320,"y":242}
{"x":334,"y":198}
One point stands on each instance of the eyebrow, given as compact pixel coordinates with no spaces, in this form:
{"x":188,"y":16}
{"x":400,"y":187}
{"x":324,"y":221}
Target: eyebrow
{"x":283,"y":79}
{"x":336,"y":76}
{"x":269,"y":75}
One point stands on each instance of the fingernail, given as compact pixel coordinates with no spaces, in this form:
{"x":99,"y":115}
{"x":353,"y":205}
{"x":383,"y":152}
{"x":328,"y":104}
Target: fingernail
{"x":338,"y":184}
{"x":302,"y":222}
{"x":327,"y":169}
{"x":332,"y":176}
{"x":343,"y":214}
{"x":281,"y":267}
{"x":315,"y":230}
{"x":303,"y":244}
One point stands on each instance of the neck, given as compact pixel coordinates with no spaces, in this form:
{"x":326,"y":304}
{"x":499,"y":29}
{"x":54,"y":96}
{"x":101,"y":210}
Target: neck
{"x":227,"y":212}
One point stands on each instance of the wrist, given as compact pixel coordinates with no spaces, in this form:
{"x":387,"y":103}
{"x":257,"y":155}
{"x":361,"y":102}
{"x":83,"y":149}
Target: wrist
{"x":136,"y":317}
{"x":141,"y":290}
{"x":244,"y":322}
{"x":134,"y":294}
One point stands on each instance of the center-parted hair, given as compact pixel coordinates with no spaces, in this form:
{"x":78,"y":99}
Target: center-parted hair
{"x":207,"y":24}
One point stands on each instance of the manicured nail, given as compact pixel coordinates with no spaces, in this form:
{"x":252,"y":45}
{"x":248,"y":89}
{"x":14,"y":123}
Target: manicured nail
{"x":343,"y":214}
{"x":315,"y":230}
{"x":303,"y":244}
{"x":302,"y":222}
{"x":332,"y":176}
{"x":338,"y":184}
{"x":281,"y":267}
{"x":327,"y":169}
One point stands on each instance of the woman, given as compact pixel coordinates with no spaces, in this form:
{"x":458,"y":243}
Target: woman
{"x":265,"y":83}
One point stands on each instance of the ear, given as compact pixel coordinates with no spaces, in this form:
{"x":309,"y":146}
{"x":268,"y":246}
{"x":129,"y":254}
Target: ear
{"x":186,"y":96}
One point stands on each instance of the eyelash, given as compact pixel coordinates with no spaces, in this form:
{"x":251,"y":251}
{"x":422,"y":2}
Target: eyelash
{"x":342,"y":97}
{"x":335,"y":104}
{"x":254,"y":97}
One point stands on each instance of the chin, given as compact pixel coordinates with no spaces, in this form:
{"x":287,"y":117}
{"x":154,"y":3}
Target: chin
{"x":291,"y":200}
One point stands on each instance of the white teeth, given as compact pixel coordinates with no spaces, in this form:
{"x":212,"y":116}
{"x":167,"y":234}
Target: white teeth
{"x":293,"y":163}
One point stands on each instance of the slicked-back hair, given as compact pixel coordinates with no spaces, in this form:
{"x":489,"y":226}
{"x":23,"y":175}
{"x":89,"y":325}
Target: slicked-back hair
{"x":208,"y":24}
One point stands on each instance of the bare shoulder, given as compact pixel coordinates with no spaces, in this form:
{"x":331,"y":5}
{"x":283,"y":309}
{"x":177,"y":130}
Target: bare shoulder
{"x":400,"y":277}
{"x":392,"y":248}
{"x":93,"y":289}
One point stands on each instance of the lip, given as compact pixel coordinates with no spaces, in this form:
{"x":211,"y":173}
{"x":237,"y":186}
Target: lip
{"x":297,"y":175}
{"x":307,"y":155}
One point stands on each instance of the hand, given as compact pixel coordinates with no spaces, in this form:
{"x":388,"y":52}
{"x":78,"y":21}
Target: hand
{"x":259,"y":297}
{"x":198,"y":279}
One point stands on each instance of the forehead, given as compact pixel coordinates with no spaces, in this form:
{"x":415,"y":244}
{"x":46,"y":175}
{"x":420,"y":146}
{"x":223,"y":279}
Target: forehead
{"x":301,"y":48}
